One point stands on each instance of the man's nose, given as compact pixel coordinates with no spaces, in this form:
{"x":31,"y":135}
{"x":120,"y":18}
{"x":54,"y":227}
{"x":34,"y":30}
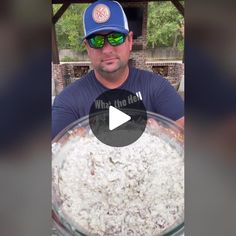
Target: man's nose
{"x":107,"y":47}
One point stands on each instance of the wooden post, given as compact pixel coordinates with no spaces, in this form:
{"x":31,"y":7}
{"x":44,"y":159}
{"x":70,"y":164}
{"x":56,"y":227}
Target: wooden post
{"x":55,"y":18}
{"x":55,"y":53}
{"x":179,"y":6}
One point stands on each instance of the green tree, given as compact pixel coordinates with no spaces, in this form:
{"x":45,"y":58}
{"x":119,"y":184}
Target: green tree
{"x":69,"y":28}
{"x":164,"y":22}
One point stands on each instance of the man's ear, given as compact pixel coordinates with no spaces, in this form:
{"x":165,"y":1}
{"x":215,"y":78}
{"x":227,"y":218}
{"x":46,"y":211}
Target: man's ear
{"x":130,"y":39}
{"x":86,"y":44}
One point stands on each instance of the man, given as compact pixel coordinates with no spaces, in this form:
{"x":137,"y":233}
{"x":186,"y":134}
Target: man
{"x":109,"y":42}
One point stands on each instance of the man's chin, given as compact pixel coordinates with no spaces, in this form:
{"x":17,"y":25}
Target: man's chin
{"x":110,"y":68}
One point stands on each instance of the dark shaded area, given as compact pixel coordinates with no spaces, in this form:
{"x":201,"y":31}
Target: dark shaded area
{"x":135,"y":20}
{"x":25,"y":101}
{"x":210,"y":97}
{"x":210,"y":93}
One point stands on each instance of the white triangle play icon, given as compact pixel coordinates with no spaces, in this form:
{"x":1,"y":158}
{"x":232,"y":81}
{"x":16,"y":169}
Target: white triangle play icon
{"x":117,"y":118}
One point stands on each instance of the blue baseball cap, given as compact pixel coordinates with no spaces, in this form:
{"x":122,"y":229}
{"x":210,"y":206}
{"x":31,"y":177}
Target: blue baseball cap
{"x":104,"y":15}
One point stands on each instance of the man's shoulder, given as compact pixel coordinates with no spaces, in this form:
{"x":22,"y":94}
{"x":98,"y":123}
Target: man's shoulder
{"x":147,"y":76}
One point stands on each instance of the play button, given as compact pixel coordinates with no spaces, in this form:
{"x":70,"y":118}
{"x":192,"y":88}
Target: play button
{"x":118,"y":117}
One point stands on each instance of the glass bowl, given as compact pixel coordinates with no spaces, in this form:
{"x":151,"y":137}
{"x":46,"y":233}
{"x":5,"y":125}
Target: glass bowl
{"x":133,"y":190}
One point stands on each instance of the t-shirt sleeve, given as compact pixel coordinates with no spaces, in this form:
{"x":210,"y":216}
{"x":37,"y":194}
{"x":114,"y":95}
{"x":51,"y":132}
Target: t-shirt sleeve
{"x":62,"y":115}
{"x":167,"y":101}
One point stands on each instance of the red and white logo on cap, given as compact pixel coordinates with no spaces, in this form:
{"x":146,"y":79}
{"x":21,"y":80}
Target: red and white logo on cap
{"x":101,"y":13}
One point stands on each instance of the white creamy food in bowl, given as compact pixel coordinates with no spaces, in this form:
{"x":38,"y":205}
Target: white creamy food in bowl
{"x":133,"y":190}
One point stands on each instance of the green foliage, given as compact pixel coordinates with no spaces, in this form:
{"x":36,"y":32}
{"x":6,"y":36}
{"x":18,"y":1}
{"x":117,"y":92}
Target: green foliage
{"x":180,"y":45}
{"x":164,"y":22}
{"x":69,"y":28}
{"x":68,"y":59}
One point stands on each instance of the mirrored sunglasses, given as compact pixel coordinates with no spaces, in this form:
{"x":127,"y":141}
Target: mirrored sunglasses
{"x":98,"y":40}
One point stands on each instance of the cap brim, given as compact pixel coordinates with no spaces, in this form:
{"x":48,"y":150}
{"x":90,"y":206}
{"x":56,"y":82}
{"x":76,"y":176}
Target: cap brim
{"x":108,"y":28}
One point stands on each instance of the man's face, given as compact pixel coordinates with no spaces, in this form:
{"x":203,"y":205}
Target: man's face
{"x":110,"y":59}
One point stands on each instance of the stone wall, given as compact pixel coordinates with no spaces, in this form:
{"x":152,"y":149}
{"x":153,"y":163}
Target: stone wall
{"x":57,"y":79}
{"x":74,"y":71}
{"x":66,"y":73}
{"x":172,"y":71}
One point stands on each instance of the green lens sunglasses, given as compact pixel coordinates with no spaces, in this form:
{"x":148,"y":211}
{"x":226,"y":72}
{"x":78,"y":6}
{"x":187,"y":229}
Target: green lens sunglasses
{"x":113,"y":38}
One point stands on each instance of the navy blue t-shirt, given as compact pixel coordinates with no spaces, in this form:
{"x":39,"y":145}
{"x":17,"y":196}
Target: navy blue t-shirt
{"x":157,"y":94}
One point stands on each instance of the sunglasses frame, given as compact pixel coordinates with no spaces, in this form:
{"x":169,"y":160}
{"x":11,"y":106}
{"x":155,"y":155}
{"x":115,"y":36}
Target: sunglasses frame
{"x":105,"y":36}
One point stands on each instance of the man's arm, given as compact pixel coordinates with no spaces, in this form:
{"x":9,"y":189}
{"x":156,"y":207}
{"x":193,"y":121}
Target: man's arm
{"x":62,"y":116}
{"x":168,"y":102}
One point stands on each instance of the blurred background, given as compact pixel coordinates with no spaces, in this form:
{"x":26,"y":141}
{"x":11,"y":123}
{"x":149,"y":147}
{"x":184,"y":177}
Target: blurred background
{"x":25,"y":71}
{"x":25,"y":99}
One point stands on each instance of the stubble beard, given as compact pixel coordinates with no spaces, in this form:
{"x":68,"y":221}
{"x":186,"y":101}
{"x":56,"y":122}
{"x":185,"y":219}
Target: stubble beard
{"x":105,"y":71}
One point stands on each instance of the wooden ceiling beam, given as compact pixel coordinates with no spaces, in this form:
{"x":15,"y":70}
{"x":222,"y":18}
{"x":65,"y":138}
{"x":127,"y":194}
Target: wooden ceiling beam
{"x":179,"y":6}
{"x":55,"y":53}
{"x":60,"y":12}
